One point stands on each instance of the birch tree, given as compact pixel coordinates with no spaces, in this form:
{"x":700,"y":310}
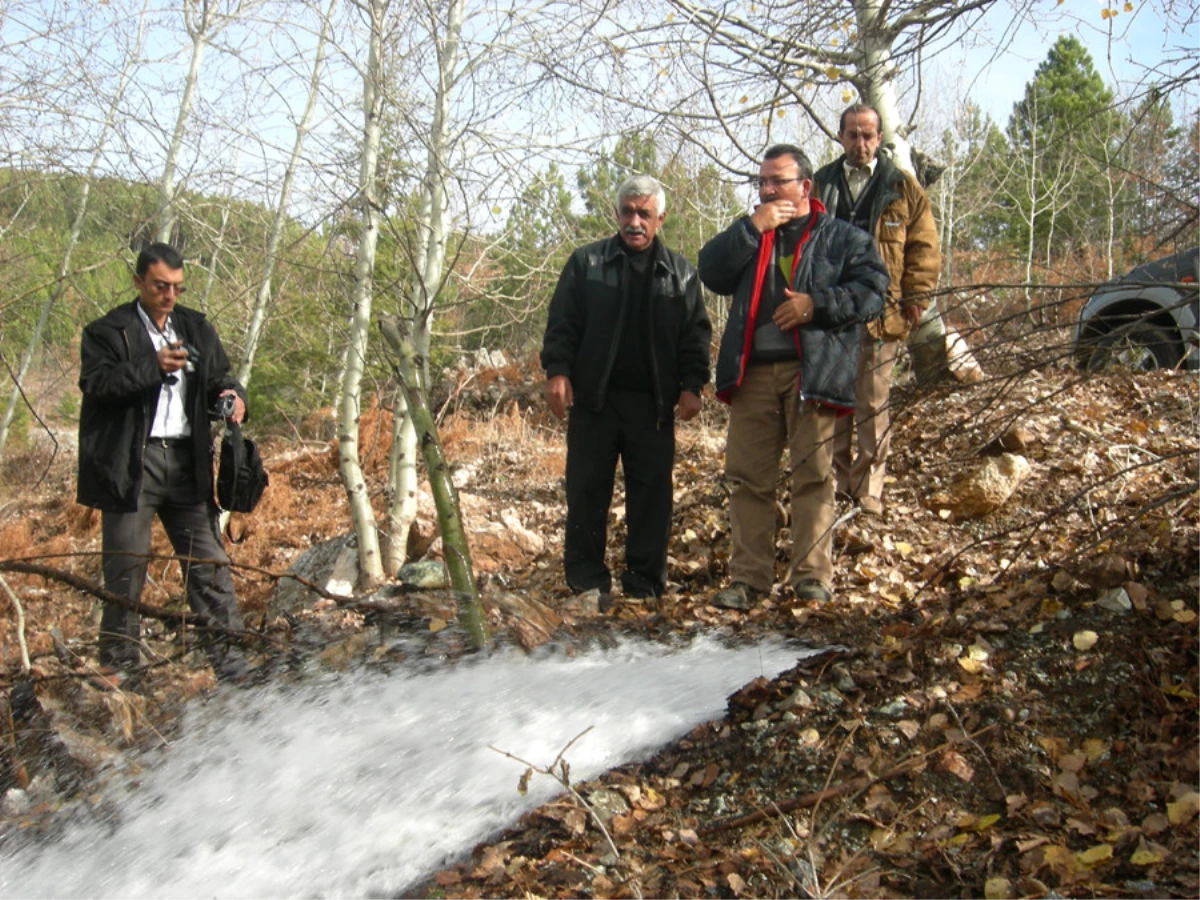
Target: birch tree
{"x":202,"y":20}
{"x":262,"y":297}
{"x":362,"y":516}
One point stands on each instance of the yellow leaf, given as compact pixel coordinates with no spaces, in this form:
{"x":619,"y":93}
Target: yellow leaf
{"x":986,"y":822}
{"x":833,"y":73}
{"x":903,"y":548}
{"x":972,"y":666}
{"x":781,"y":113}
{"x":1148,"y":853}
{"x":1085,"y":640}
{"x":1184,"y":617}
{"x":1094,"y":855}
{"x":998,"y":888}
{"x":436,"y":624}
{"x":744,"y":99}
{"x":833,"y":42}
{"x":1184,"y":809}
{"x":1128,"y":7}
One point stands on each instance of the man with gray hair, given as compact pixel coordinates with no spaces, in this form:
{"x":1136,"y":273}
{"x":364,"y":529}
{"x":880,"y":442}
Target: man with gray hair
{"x":626,"y":351}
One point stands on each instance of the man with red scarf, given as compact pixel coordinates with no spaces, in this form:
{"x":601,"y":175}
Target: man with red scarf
{"x":802,"y":284}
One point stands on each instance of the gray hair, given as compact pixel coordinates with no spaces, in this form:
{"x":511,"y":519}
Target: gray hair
{"x":643,"y":186}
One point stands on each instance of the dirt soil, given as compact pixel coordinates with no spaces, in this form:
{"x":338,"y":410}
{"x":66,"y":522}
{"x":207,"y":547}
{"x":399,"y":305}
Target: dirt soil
{"x":1009,"y":708}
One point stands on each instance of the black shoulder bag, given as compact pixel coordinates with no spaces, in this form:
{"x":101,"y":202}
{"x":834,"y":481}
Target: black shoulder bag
{"x":241,"y":478}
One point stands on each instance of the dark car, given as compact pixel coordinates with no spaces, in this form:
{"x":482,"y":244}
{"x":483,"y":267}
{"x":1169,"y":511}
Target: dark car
{"x":1145,"y":319}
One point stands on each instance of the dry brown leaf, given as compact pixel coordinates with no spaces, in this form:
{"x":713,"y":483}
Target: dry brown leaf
{"x":1155,"y":823}
{"x":956,"y":764}
{"x":1072,"y":762}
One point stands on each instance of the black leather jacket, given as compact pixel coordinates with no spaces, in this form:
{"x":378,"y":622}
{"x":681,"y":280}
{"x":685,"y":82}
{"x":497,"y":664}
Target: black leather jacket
{"x":120,"y":380}
{"x":587,"y":314}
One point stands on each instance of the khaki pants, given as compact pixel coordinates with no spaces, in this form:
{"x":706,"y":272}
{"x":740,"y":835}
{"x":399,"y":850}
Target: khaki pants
{"x":862,"y":476}
{"x":765,"y":416}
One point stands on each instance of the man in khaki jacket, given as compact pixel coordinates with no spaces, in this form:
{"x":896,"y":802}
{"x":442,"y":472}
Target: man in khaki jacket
{"x":870,"y":191}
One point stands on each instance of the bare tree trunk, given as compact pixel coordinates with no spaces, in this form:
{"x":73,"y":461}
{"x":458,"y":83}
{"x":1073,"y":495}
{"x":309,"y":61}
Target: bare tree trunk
{"x":454,"y":537}
{"x":262,"y":298}
{"x":876,"y":76}
{"x":198,"y":31}
{"x":203,"y":21}
{"x":429,"y":265}
{"x":370,"y":569}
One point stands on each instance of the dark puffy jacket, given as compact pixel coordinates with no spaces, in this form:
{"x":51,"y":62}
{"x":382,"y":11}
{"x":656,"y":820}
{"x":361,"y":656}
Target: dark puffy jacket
{"x":587,"y":314}
{"x":120,"y":380}
{"x":838,"y":267}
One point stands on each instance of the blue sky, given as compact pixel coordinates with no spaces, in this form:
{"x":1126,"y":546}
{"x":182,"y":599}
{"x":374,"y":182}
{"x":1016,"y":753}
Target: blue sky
{"x":1125,"y":48}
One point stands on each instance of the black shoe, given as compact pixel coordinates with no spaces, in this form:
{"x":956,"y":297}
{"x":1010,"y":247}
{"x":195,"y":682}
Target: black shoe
{"x":738,"y":595}
{"x":593,"y":600}
{"x":811,"y":589}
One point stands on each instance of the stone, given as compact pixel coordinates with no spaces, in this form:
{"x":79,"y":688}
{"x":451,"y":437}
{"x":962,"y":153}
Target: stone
{"x":990,"y":486}
{"x":333,"y":562}
{"x":532,"y":622}
{"x":427,"y":574}
{"x":1115,"y":600}
{"x":607,"y":803}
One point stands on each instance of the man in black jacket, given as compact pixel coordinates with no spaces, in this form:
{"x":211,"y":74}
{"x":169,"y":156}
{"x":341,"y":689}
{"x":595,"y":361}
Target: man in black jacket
{"x":626,"y":351}
{"x":150,"y":373}
{"x":802,"y":283}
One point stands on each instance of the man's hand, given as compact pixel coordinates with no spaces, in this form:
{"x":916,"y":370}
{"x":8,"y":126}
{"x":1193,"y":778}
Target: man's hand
{"x":687,"y":407}
{"x":912,"y":312}
{"x":772,"y":214}
{"x":795,"y":310}
{"x":239,"y":408}
{"x":559,"y":395}
{"x":171,"y":359}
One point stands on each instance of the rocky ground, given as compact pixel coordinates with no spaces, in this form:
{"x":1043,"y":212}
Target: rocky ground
{"x":1009,"y":710}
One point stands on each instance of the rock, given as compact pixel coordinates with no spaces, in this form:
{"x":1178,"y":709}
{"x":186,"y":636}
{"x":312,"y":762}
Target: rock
{"x":15,"y":803}
{"x":332,"y":564}
{"x":1017,"y":439}
{"x":1115,"y":599}
{"x":507,"y":544}
{"x":960,"y":360}
{"x":607,"y":803}
{"x":532,"y":622}
{"x":428,"y":573}
{"x":989,"y":486}
{"x":1108,"y":570}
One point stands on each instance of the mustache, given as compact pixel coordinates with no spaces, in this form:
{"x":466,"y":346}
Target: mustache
{"x":634,"y":229}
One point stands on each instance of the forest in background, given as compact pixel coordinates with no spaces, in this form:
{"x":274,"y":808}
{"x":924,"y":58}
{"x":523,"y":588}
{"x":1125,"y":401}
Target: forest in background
{"x":437,"y":162}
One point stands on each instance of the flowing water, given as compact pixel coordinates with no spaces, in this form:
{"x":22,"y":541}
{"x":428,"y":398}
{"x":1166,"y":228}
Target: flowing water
{"x":359,"y":784}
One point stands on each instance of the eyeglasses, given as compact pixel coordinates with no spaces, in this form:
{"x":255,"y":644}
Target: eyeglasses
{"x":761,"y":183}
{"x":166,"y":287}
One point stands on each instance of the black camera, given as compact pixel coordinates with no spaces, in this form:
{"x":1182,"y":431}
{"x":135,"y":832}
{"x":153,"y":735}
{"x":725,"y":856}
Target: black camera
{"x":224,"y":407}
{"x":193,"y":357}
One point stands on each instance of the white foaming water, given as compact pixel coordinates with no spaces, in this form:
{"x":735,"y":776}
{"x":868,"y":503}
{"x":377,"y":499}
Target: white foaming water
{"x":360,"y":784}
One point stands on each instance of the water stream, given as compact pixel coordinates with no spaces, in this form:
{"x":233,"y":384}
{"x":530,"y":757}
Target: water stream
{"x":359,"y":784}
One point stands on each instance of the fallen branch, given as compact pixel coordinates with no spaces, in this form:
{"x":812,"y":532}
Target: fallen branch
{"x":12,"y":598}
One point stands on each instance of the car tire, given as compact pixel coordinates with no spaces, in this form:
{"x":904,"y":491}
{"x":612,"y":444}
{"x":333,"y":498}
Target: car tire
{"x":1141,"y":346}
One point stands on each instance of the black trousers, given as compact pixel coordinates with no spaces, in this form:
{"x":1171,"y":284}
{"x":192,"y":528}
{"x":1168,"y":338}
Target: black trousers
{"x":169,"y":491}
{"x":626,"y":428}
